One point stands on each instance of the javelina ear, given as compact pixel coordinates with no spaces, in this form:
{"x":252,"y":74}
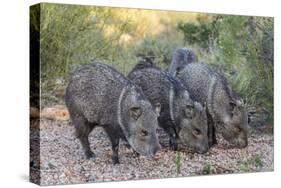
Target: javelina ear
{"x":135,"y":112}
{"x":158,"y":108}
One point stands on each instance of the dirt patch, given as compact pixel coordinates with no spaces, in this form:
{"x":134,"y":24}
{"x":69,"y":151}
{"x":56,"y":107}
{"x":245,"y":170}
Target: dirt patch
{"x":62,"y":160}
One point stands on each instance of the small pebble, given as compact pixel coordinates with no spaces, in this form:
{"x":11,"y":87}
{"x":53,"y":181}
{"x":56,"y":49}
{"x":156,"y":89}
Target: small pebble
{"x":62,"y":159}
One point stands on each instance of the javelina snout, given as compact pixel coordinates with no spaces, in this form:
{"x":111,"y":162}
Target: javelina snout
{"x":236,"y":137}
{"x":202,"y":148}
{"x":236,"y":123}
{"x":155,"y":149}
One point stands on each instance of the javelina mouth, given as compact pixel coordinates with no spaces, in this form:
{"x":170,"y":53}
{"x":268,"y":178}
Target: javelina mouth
{"x":243,"y":144}
{"x":201,"y":151}
{"x":240,"y":144}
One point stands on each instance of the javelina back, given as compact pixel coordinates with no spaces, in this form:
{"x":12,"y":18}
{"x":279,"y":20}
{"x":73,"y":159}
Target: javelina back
{"x":181,"y":57}
{"x":98,"y":95}
{"x":226,"y":111}
{"x":182,"y":118}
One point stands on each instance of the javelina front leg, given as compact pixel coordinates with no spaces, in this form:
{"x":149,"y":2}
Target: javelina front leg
{"x":211,"y":131}
{"x":173,"y":138}
{"x":173,"y":142}
{"x":86,"y":145}
{"x":83,"y":130}
{"x":115,"y":148}
{"x":136,"y":154}
{"x":115,"y":145}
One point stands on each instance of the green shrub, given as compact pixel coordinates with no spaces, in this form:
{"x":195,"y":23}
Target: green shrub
{"x":206,"y":169}
{"x":254,"y":162}
{"x":201,"y":33}
{"x":242,"y":49}
{"x":71,"y":34}
{"x":158,"y":49}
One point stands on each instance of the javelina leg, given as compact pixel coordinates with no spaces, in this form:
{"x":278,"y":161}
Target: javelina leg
{"x":115,"y":145}
{"x":214,"y":136}
{"x":83,"y":129}
{"x":173,"y":144}
{"x":173,"y":141}
{"x":172,"y":138}
{"x":136,"y":154}
{"x":211,"y":131}
{"x":129,"y":147}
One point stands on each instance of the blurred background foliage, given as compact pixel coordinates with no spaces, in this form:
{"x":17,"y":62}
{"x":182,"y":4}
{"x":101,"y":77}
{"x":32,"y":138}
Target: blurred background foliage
{"x":240,"y":47}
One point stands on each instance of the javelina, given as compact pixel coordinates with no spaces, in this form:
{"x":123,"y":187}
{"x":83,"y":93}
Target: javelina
{"x":98,"y":95}
{"x":182,"y":56}
{"x":225,"y":109}
{"x":183,"y":119}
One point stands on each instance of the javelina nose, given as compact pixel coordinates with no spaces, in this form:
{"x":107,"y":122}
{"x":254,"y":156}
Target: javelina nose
{"x":243,"y":143}
{"x":203,"y":149}
{"x":155,"y":149}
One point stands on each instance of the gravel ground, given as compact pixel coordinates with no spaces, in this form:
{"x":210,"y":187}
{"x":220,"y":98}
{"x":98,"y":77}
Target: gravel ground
{"x":62,"y":160}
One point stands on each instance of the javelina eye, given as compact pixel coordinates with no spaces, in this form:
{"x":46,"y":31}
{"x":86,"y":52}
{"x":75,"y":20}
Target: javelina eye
{"x":196,"y":132}
{"x":144,"y":132}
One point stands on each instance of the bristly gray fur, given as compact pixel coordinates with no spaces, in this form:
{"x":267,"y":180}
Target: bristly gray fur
{"x":144,"y":65}
{"x":225,"y":107}
{"x":181,"y":57}
{"x":179,"y":114}
{"x":98,"y":95}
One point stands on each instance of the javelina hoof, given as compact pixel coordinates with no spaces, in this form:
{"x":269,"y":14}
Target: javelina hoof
{"x":215,"y":142}
{"x":173,"y":145}
{"x":115,"y":160}
{"x":136,"y":154}
{"x":90,"y":155}
{"x":212,"y":142}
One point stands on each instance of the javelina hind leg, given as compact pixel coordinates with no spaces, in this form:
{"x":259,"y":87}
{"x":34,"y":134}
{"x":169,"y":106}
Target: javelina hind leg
{"x":83,"y":129}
